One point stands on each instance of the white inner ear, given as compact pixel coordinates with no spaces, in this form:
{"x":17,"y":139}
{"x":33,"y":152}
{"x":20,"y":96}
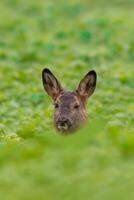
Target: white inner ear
{"x":53,"y":85}
{"x":89,"y":80}
{"x":84,"y":84}
{"x":50,"y":80}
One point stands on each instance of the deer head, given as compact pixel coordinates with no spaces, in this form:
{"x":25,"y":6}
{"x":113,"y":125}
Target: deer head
{"x":69,"y":107}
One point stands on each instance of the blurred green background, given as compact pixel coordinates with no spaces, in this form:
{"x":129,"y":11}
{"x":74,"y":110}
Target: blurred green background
{"x":71,"y":38}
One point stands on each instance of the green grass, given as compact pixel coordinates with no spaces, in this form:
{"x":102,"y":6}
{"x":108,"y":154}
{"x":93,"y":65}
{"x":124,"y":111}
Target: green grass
{"x":71,"y":38}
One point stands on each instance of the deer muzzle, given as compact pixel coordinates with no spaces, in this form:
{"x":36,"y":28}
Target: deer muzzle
{"x":63,"y":124}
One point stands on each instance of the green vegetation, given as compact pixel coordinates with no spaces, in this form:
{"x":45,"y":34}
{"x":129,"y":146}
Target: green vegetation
{"x":70,"y":37}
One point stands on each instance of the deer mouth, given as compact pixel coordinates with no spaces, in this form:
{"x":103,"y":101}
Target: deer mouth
{"x":64,"y":126}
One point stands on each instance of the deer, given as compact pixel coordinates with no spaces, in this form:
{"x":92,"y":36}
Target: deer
{"x":69,"y":106}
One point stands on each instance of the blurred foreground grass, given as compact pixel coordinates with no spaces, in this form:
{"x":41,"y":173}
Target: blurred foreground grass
{"x":71,"y":38}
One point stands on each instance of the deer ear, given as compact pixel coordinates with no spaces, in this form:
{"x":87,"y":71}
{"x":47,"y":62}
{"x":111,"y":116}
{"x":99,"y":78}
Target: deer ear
{"x":51,"y":84}
{"x":87,"y":85}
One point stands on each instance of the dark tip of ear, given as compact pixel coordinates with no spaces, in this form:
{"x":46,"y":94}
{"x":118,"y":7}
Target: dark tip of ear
{"x":46,"y":70}
{"x":92,"y":72}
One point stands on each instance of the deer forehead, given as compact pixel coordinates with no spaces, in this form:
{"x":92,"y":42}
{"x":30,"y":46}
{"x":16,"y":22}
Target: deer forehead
{"x":67,"y":98}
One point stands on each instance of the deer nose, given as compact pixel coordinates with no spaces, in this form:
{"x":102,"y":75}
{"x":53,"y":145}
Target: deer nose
{"x":64,"y":123}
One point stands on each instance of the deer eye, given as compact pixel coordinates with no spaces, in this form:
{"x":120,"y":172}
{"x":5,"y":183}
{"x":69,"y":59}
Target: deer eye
{"x":76,"y":106}
{"x":56,"y":105}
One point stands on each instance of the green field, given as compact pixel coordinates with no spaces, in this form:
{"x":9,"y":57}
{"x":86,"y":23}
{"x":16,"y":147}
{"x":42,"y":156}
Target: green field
{"x":71,"y":38}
